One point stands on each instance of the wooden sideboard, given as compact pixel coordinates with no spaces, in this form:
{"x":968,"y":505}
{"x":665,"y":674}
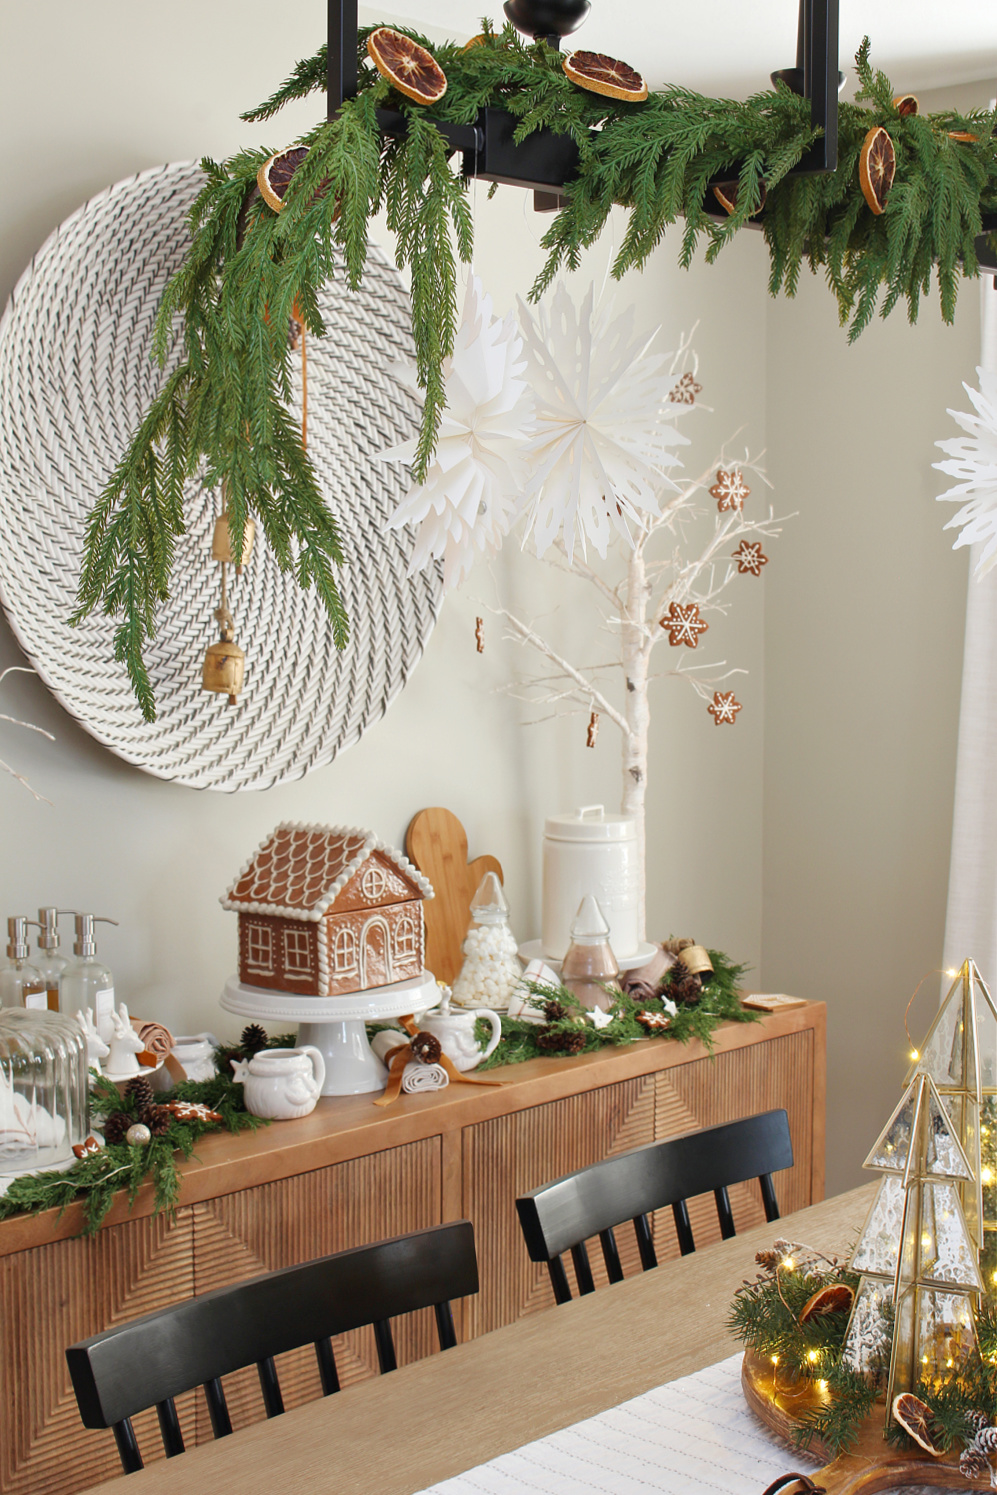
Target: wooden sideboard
{"x":351,"y":1173}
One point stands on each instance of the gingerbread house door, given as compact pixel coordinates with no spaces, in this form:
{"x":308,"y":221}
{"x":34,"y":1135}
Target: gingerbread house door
{"x":376,"y":968}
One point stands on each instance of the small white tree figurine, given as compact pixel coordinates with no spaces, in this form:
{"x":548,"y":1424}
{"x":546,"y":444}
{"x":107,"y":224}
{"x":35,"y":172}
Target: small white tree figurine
{"x":568,"y":422}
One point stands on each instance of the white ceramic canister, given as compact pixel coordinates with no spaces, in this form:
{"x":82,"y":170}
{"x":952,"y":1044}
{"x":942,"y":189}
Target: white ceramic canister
{"x":281,"y":1084}
{"x":588,"y":852}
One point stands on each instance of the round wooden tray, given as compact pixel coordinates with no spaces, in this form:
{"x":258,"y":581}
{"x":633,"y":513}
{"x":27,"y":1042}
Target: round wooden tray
{"x":870,"y":1465}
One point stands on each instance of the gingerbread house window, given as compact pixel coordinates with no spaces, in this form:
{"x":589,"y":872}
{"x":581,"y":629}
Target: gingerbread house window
{"x":373,"y":883}
{"x":345,"y":952}
{"x":259,"y":949}
{"x":406,"y":938}
{"x":297,"y":953}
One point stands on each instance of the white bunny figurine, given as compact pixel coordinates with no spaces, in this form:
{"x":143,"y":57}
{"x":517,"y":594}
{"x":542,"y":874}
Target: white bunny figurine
{"x":125,"y":1044}
{"x":97,"y":1049}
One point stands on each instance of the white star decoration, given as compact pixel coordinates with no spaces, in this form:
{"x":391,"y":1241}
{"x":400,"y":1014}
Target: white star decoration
{"x":601,"y":442}
{"x":472,"y":491}
{"x":975,"y":463}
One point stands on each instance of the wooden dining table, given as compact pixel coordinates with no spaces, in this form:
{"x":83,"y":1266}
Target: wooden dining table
{"x":399,"y":1433}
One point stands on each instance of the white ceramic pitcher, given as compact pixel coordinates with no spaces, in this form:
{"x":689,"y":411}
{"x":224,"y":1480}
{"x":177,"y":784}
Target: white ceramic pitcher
{"x":281,"y":1083}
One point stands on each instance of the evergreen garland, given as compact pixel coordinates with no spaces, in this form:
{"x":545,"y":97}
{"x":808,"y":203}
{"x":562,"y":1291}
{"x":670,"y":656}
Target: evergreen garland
{"x":94,"y":1181}
{"x":223,"y":410}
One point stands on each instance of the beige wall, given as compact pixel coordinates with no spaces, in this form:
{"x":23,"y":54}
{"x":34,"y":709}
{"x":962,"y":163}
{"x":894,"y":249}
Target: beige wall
{"x":91,"y":93}
{"x":863,"y":656}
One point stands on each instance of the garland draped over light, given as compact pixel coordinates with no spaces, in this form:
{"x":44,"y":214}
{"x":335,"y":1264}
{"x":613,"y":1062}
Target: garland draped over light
{"x":223,"y":411}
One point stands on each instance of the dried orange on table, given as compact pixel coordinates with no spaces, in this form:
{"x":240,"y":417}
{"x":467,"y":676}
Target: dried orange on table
{"x":413,"y":71}
{"x":726,"y":195}
{"x":905,"y":104}
{"x":601,"y":74}
{"x":837,"y":1298}
{"x":274,"y":176}
{"x":914,"y":1416}
{"x":963,"y":136}
{"x":877,"y":165}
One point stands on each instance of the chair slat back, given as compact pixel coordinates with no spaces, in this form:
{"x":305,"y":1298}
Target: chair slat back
{"x":565,"y":1213}
{"x":153,"y":1359}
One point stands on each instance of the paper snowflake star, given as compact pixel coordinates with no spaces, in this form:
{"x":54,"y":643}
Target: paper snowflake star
{"x":685,"y":391}
{"x":602,"y":441}
{"x":730,"y":490}
{"x":749,"y":558}
{"x":683,"y":624}
{"x":723,"y":708}
{"x":975,"y":463}
{"x":471,"y":495}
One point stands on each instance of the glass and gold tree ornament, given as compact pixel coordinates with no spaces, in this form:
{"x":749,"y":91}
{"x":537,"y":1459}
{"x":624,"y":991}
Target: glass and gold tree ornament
{"x":960,"y":1055}
{"x":938,"y":1272}
{"x":867,"y":1339}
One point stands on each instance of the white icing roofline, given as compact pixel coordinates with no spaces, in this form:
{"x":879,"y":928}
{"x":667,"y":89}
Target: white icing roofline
{"x":370,"y":843}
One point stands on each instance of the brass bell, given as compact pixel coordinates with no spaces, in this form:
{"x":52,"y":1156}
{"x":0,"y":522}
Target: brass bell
{"x":697,"y":962}
{"x":224,"y":662}
{"x":221,"y":541}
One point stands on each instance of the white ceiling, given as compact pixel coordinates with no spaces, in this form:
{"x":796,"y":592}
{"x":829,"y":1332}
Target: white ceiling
{"x":729,"y":47}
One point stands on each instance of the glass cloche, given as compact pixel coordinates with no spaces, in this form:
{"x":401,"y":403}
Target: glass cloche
{"x":491,"y":970}
{"x":44,"y":1091}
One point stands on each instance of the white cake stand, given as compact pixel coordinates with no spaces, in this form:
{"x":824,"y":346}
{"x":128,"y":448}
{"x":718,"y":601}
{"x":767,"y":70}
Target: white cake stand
{"x":335,"y":1025}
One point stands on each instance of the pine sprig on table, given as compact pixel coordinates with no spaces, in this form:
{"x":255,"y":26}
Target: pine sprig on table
{"x":223,"y":412}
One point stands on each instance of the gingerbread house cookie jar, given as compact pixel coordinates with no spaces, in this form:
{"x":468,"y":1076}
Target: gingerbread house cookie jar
{"x":327,"y":910}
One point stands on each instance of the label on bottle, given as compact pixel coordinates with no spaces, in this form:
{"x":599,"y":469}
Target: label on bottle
{"x":103,"y":1017}
{"x":36,"y":1001}
{"x":53,"y":999}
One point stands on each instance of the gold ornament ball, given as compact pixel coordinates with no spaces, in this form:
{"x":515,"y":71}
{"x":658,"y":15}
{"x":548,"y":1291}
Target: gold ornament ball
{"x":138,"y":1135}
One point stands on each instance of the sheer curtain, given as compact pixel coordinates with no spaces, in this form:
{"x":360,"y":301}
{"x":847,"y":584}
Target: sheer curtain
{"x":971,"y":919}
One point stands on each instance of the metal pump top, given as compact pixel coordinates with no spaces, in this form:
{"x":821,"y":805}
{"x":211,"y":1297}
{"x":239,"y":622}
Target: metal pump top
{"x":48,"y":931}
{"x":84,"y":943}
{"x":18,"y":947}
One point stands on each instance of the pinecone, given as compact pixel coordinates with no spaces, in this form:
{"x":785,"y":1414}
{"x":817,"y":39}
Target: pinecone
{"x":140,"y":1091}
{"x":973,"y":1463}
{"x":158,"y":1120}
{"x":556,"y":1042}
{"x":683,"y":987}
{"x":976,"y":1421}
{"x":116,"y":1125}
{"x":427,"y":1048}
{"x":986,"y":1441}
{"x":252,"y":1039}
{"x":554,"y":1010}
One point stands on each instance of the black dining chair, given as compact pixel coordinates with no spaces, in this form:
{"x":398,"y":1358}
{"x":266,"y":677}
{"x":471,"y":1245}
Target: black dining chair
{"x":563,"y":1215}
{"x":151,"y":1360}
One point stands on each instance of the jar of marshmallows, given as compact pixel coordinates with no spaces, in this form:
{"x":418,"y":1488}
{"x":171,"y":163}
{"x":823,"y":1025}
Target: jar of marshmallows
{"x":491,"y":968}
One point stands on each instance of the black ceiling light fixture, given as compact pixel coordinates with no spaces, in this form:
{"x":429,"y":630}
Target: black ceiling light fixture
{"x":545,"y":161}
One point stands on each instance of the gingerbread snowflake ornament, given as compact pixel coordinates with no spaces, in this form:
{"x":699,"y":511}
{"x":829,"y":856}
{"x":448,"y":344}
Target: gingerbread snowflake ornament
{"x":730,"y":490}
{"x":749,"y":557}
{"x":723,"y":708}
{"x":683,"y":624}
{"x":685,"y":391}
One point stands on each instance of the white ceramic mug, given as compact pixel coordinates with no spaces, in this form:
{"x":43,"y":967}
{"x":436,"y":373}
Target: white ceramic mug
{"x":281,"y":1083}
{"x":454,"y":1027}
{"x":194,"y":1052}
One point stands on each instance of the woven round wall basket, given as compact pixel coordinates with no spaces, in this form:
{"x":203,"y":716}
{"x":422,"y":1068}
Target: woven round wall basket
{"x":75,"y":380}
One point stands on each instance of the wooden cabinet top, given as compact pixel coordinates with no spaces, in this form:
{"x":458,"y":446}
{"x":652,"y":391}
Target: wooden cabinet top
{"x":343,"y":1127}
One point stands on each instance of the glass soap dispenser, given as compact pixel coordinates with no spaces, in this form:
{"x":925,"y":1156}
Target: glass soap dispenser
{"x":21,"y":983}
{"x":589,"y":965}
{"x":88,"y":983}
{"x":49,"y":962}
{"x":491,"y":969}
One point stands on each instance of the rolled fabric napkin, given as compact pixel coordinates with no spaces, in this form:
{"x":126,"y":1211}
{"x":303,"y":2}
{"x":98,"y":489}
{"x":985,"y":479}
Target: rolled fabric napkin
{"x":389,"y":1038}
{"x":644,"y":982}
{"x":157,"y":1039}
{"x":420,"y":1077}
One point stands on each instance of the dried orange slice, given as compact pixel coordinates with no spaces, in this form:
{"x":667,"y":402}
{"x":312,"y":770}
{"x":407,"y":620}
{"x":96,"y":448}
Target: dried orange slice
{"x":877,"y":164}
{"x":413,"y":71}
{"x":274,"y":176}
{"x":601,"y":74}
{"x":837,"y":1298}
{"x":914,"y":1416}
{"x":905,"y":104}
{"x":476,"y":41}
{"x":963,"y":136}
{"x":726,"y":195}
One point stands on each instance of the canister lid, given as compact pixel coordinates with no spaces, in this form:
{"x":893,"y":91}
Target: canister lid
{"x":590,"y":823}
